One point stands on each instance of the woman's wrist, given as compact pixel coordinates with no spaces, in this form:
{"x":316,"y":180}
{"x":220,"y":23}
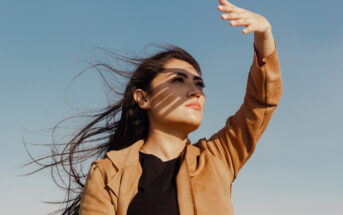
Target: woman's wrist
{"x":264,"y":43}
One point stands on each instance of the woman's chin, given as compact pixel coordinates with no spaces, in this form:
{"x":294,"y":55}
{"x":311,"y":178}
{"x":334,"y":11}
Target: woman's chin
{"x":190,"y":125}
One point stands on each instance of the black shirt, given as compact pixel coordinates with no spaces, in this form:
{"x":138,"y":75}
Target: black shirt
{"x":156,"y":188}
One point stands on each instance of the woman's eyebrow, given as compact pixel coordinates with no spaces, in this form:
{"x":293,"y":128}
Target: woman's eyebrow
{"x":186,"y":76}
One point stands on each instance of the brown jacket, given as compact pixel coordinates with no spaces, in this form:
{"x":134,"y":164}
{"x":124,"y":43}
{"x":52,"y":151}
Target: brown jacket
{"x":210,"y":165}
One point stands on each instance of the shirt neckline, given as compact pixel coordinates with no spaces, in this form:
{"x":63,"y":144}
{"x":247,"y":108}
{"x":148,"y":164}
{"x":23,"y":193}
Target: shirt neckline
{"x":152,"y":156}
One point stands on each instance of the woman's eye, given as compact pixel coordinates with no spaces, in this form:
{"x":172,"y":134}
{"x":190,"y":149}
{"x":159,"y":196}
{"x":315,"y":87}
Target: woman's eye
{"x":201,"y":84}
{"x":178,"y":80}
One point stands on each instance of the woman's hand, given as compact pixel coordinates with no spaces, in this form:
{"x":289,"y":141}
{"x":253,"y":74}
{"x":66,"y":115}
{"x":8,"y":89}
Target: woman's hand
{"x":241,"y":17}
{"x":253,"y":22}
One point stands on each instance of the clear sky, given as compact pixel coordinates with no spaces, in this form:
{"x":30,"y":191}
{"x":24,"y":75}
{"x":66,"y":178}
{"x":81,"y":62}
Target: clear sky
{"x":297,"y":166}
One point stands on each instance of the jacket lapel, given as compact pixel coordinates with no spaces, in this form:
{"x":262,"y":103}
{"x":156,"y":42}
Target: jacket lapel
{"x":184,"y":195}
{"x":129,"y":171}
{"x":128,"y":187}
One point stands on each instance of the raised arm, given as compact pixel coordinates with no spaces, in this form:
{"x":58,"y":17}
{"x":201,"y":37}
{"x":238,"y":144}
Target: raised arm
{"x":236,"y":141}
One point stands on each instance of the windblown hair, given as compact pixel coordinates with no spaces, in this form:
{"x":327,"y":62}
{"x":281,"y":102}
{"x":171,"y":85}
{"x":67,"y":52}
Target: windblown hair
{"x":113,"y":128}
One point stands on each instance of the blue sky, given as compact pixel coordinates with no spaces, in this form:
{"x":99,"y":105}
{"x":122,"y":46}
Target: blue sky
{"x":297,"y":166}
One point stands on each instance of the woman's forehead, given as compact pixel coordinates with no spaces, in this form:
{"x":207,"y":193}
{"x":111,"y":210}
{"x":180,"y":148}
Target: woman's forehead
{"x":176,"y":66}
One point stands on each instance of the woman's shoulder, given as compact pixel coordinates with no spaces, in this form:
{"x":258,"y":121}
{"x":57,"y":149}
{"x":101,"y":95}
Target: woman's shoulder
{"x":103,"y":163}
{"x":106,"y":167}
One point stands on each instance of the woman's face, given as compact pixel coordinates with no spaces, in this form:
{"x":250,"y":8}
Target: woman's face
{"x":177,"y":100}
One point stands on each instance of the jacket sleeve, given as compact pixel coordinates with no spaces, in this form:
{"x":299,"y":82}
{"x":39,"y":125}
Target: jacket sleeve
{"x":95,"y":198}
{"x":236,"y":141}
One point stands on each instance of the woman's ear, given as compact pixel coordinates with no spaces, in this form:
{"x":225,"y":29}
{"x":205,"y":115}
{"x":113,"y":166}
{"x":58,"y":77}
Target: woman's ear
{"x":141,"y":98}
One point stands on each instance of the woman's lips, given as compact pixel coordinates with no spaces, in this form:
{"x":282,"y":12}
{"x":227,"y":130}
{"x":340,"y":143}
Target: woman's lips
{"x":194,"y":105}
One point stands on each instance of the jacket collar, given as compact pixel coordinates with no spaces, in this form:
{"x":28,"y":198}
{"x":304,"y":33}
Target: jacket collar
{"x":126,"y":157}
{"x":130,"y":156}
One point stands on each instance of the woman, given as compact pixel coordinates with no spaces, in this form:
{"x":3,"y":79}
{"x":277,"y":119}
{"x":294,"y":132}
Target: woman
{"x":150,"y":167}
{"x":174,"y":104}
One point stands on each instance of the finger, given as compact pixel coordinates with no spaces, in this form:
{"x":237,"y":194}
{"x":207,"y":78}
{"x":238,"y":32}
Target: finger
{"x":231,"y":16}
{"x":225,"y":2}
{"x":226,"y":8}
{"x":248,"y":29}
{"x":240,"y":22}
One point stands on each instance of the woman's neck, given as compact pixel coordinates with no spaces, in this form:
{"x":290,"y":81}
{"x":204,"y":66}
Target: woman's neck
{"x":164,"y":145}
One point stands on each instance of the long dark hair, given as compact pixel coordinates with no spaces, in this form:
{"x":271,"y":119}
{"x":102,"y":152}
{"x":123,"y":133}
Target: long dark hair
{"x":113,"y":128}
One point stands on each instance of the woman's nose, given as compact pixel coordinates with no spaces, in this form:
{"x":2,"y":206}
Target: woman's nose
{"x":193,"y":91}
